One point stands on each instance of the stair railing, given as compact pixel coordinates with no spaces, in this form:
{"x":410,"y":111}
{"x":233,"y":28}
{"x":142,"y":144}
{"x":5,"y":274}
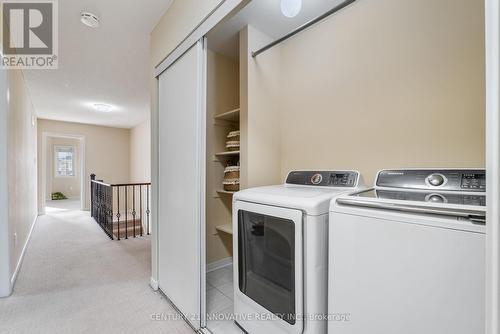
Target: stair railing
{"x":122,"y":210}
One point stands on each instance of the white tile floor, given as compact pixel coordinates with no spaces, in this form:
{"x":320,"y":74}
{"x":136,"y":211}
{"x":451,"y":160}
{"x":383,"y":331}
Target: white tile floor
{"x":220,"y":301}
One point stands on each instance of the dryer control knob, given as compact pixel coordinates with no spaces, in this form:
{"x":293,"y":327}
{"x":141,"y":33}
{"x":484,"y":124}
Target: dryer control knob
{"x":435,"y":180}
{"x":436,"y":198}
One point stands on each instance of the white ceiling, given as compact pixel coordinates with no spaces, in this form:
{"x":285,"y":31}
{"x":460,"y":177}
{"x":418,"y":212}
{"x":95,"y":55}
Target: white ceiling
{"x":265,"y":16}
{"x":109,"y":64}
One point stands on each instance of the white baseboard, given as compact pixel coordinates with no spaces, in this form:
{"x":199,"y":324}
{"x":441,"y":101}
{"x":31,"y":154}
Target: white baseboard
{"x":154,"y":284}
{"x":21,"y":258}
{"x":219,"y":264}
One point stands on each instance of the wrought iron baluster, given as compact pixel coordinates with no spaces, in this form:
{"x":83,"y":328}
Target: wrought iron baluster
{"x":96,"y":198}
{"x":99,"y":204}
{"x":147,"y":210}
{"x":118,"y":215}
{"x":110,"y":213}
{"x":93,"y":201}
{"x":140,"y":194}
{"x":105,"y":217}
{"x":133,"y":210}
{"x":102,"y":207}
{"x":92,"y":195}
{"x":102,"y":204}
{"x":126,"y":212}
{"x":96,"y":212}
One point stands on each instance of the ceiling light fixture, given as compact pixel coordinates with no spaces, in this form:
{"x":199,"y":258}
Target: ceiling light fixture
{"x":291,"y":8}
{"x":102,"y":107}
{"x":89,"y":19}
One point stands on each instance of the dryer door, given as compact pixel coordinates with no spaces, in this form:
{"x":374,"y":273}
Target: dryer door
{"x":268,"y":268}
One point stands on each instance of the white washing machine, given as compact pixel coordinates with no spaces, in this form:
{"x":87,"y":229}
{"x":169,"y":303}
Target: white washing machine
{"x":280,"y":236}
{"x":408,"y":256}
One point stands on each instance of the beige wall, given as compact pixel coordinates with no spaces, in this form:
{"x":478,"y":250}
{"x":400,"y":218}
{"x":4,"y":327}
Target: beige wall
{"x":260,"y":117}
{"x":388,"y":83}
{"x":22,"y":166}
{"x":179,"y":20}
{"x":140,"y":152}
{"x":18,"y":163}
{"x":107,"y":151}
{"x":222,"y":96}
{"x":69,"y":186}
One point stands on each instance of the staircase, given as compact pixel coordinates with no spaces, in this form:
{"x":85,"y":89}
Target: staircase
{"x":128,"y":228}
{"x":122,"y":210}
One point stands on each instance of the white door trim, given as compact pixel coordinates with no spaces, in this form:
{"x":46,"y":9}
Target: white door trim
{"x":203,"y":52}
{"x":83,"y":193}
{"x":492,"y":12}
{"x":5,"y":284}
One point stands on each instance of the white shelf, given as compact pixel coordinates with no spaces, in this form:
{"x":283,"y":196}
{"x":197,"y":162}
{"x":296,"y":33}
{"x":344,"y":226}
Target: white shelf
{"x":230,"y":116}
{"x":227,"y":154}
{"x":222,"y":191}
{"x":226,"y":228}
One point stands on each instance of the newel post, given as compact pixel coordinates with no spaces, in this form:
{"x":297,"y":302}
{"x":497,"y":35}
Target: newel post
{"x":92,"y":178}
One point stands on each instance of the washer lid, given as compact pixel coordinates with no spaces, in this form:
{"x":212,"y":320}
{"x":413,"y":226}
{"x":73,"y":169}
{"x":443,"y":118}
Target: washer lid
{"x":312,"y":200}
{"x":456,"y":198}
{"x":458,"y":206}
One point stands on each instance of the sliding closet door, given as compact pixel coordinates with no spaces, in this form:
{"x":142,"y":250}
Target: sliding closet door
{"x":181,"y":205}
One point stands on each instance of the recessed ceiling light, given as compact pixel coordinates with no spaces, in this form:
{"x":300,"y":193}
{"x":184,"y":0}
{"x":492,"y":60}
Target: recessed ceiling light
{"x":291,"y":8}
{"x":102,"y":107}
{"x":89,"y":19}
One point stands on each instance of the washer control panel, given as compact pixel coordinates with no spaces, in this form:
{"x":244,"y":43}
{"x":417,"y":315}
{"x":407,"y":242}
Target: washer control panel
{"x":443,"y":179}
{"x":346,"y":179}
{"x":436,"y":180}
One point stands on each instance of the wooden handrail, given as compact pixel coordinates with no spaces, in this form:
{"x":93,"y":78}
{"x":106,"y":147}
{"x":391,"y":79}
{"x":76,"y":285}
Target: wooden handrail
{"x":131,"y":184}
{"x":121,"y":184}
{"x":101,"y":183}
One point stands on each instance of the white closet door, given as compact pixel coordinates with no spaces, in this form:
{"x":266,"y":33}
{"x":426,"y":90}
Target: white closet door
{"x":181,"y":218}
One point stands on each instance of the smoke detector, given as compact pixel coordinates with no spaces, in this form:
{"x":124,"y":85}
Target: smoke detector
{"x":89,"y":19}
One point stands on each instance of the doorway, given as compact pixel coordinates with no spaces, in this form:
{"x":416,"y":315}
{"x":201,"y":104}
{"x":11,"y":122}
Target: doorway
{"x":223,"y":179}
{"x":63,"y":172}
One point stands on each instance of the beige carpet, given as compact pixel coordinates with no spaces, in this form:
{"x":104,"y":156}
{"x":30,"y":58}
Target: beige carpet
{"x":74,"y":279}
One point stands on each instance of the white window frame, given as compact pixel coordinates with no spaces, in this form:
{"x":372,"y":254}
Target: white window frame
{"x":64,"y":147}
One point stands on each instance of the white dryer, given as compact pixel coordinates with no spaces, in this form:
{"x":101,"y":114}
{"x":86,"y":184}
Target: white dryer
{"x":280,"y":236}
{"x":408,"y":256}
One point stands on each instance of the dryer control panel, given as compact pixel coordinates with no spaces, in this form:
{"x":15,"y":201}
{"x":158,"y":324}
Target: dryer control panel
{"x":473,"y":180}
{"x":344,"y":179}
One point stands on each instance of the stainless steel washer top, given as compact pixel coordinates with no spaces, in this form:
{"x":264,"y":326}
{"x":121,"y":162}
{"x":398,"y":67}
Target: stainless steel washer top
{"x":459,"y":193}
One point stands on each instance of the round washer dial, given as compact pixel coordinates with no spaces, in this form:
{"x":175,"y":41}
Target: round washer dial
{"x":436,"y":198}
{"x":436,"y":180}
{"x":316,"y":178}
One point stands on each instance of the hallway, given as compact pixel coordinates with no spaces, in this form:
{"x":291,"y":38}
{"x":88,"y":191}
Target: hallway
{"x":75,"y":280}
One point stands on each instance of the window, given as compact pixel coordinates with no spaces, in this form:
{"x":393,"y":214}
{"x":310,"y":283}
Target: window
{"x":64,"y":161}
